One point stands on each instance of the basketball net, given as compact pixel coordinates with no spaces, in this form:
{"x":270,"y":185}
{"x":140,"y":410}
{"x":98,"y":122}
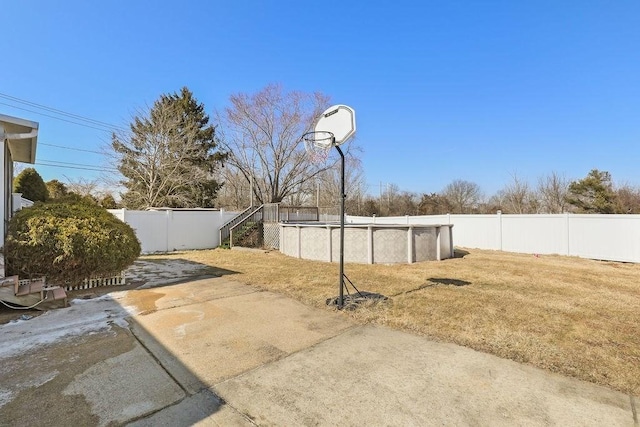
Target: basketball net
{"x":318,"y":145}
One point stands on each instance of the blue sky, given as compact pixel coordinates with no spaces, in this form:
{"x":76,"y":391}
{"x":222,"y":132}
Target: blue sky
{"x":443,"y":90}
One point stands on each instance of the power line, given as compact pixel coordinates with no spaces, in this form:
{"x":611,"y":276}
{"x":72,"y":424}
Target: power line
{"x":70,"y":148}
{"x":74,"y":164}
{"x":57,"y":118}
{"x":96,"y":168}
{"x":60,"y":112}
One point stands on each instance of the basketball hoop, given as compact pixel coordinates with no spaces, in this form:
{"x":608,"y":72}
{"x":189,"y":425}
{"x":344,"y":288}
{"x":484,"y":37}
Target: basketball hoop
{"x":318,"y":145}
{"x":333,"y":128}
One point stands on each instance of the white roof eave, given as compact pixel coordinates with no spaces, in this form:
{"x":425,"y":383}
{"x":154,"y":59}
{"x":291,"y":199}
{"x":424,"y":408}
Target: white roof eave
{"x":21,"y":136}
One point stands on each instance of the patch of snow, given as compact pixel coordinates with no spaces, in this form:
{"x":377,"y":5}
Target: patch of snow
{"x":90,"y":316}
{"x":5,"y":396}
{"x":77,"y":301}
{"x":82,"y":317}
{"x":180,"y":331}
{"x":41,"y":380}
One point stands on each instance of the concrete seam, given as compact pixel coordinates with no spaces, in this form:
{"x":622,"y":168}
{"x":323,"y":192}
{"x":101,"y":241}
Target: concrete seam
{"x":143,"y":416}
{"x":344,"y":331}
{"x":634,"y":411}
{"x":233,"y":408}
{"x":253,"y":291}
{"x":212,"y":389}
{"x":246,"y":416}
{"x":208,"y":300}
{"x":186,"y":393}
{"x":159,"y":362}
{"x":220,"y":400}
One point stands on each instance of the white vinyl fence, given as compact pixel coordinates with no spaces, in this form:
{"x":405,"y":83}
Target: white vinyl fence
{"x":606,"y":237}
{"x":171,"y":230}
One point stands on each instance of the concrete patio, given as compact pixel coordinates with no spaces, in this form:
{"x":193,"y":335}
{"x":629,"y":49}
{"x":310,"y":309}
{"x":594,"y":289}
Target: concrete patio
{"x":212,"y":351}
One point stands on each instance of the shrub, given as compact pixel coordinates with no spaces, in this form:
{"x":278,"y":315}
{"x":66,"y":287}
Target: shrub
{"x":108,"y":202}
{"x":68,"y":242}
{"x":56,"y":189}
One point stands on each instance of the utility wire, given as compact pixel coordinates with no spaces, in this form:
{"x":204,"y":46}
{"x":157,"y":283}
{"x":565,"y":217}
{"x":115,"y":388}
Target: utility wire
{"x":70,"y":148}
{"x":89,"y":168}
{"x":74,"y":164}
{"x":60,"y":112}
{"x":57,"y":118}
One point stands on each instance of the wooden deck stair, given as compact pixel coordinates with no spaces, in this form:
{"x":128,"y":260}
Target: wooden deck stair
{"x":27,"y":293}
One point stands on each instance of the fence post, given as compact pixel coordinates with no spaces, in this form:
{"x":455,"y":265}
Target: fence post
{"x":370,"y":244}
{"x":499,"y":216}
{"x":452,"y":252}
{"x":329,"y":244}
{"x":568,"y":233}
{"x":219,"y":226}
{"x":409,"y":243}
{"x":168,"y":217}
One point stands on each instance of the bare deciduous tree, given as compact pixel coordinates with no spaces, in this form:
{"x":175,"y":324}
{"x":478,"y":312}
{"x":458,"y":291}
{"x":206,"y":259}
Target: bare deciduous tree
{"x":82,"y":186}
{"x":235,"y":193}
{"x":552,"y":190}
{"x":394,"y":201}
{"x":628,"y":199}
{"x":492,"y":205}
{"x":518,"y":198}
{"x":326,"y":188}
{"x":262,"y":133}
{"x":433,"y":204}
{"x":464,"y":196}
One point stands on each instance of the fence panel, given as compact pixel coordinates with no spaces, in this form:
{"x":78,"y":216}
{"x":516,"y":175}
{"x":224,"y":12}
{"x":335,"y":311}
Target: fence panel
{"x":168,"y":230}
{"x":193,"y":230}
{"x":398,"y":220}
{"x":476,"y":231}
{"x":534,"y":234}
{"x":605,"y":237}
{"x":150,"y":227}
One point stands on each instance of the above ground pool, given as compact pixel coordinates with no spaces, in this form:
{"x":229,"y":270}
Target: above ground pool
{"x":367,"y":243}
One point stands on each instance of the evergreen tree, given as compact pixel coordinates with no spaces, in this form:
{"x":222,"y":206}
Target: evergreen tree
{"x":30,"y":184}
{"x":593,"y":194}
{"x":169,"y":157}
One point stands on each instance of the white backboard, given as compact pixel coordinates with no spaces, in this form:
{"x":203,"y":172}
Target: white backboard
{"x":339,"y":120}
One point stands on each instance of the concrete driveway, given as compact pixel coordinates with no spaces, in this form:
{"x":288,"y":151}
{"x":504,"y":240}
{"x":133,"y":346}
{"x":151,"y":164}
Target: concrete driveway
{"x":213,"y":351}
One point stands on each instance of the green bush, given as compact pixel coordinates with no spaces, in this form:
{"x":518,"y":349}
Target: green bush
{"x":68,"y":242}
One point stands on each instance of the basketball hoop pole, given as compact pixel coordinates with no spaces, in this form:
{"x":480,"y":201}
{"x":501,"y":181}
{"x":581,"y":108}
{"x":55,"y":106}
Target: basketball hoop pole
{"x":342,"y":197}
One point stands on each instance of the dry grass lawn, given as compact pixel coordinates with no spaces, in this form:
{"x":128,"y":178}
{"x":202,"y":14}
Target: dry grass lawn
{"x":572,"y":316}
